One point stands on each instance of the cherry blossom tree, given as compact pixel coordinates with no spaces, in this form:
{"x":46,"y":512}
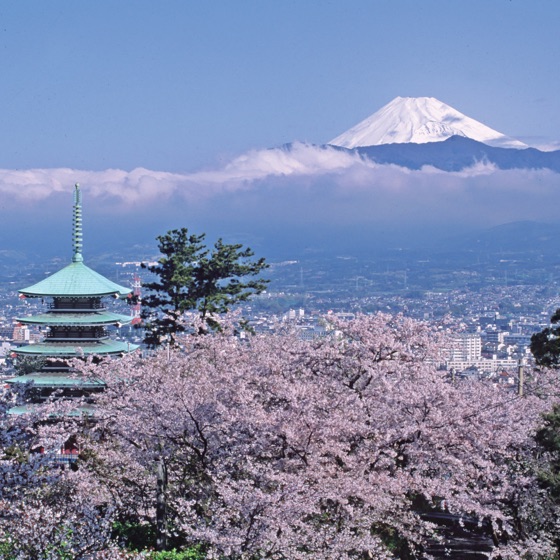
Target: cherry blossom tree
{"x":46,"y":510}
{"x":274,"y":447}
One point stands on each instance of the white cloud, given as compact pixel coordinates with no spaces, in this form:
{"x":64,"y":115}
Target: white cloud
{"x":541,"y":143}
{"x":142,"y":186}
{"x":304,"y":182}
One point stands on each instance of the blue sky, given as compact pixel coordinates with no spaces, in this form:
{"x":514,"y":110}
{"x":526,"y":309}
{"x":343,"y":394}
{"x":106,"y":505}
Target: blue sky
{"x":176,"y":85}
{"x":195,"y":92}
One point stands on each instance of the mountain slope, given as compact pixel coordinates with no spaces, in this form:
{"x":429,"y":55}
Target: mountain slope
{"x":419,"y":120}
{"x":459,"y":152}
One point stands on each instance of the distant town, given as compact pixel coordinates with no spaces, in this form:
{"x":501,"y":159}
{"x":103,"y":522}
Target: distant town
{"x":490,"y":306}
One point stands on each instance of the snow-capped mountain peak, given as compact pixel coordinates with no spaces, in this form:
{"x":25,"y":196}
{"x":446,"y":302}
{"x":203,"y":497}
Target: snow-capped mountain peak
{"x":419,"y":120}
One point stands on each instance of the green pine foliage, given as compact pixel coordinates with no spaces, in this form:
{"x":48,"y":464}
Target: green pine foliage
{"x":192,"y":277}
{"x":545,"y":345}
{"x":548,"y":437}
{"x":29,"y":364}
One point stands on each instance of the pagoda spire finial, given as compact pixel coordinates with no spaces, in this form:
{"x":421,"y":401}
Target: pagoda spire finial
{"x":77,"y":225}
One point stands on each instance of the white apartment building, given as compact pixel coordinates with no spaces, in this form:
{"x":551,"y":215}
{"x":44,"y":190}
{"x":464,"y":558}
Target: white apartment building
{"x":466,"y":347}
{"x":466,"y":352}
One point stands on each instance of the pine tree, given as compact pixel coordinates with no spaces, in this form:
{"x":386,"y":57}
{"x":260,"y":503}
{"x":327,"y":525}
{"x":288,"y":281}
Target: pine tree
{"x":193,"y":277}
{"x":545,"y":345}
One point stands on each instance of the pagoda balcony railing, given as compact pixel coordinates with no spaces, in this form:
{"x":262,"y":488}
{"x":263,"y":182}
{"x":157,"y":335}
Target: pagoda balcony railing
{"x":75,"y":340}
{"x":67,"y":337}
{"x":77,"y":309}
{"x":64,"y":458}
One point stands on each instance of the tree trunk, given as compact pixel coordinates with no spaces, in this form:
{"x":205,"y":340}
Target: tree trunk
{"x":161,"y":505}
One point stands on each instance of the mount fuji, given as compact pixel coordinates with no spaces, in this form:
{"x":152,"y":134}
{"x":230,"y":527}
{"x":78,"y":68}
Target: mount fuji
{"x":414,"y":132}
{"x":420,"y":120}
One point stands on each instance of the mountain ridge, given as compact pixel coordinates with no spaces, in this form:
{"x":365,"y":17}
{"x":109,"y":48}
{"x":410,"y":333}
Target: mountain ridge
{"x":454,"y":154}
{"x":457,"y":153}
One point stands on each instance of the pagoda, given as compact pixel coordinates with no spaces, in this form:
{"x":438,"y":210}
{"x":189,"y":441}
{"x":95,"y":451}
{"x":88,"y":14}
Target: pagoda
{"x":76,"y":319}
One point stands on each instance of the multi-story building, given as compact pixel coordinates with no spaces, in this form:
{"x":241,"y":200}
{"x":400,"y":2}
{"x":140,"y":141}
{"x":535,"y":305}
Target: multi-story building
{"x":466,"y":353}
{"x":466,"y":346}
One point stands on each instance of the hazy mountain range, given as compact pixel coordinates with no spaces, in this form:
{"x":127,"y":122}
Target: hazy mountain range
{"x":459,"y":152}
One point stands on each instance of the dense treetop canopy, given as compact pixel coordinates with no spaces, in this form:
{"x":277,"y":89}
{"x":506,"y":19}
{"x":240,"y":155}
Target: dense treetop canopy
{"x":287,"y":449}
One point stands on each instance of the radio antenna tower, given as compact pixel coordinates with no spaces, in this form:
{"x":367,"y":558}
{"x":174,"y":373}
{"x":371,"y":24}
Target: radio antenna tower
{"x":137,"y":293}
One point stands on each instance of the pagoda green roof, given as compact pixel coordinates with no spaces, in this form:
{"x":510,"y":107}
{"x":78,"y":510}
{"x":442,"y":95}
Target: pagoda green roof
{"x":59,"y":379}
{"x":82,"y":410}
{"x":75,"y":280}
{"x":75,"y":349}
{"x":76,"y":319}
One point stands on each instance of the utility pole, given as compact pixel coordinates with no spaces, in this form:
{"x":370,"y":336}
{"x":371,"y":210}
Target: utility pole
{"x":520,"y":375}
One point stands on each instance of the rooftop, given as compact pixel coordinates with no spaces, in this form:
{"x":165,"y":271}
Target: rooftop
{"x":71,"y":350}
{"x":75,"y":280}
{"x":76,"y":319}
{"x":57,"y":379}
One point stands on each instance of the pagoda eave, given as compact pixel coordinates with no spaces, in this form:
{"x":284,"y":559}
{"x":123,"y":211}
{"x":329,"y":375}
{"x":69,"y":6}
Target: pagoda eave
{"x":59,"y":380}
{"x":72,"y":294}
{"x":76,"y":319}
{"x":75,"y":280}
{"x":62,"y":350}
{"x":82,"y":410}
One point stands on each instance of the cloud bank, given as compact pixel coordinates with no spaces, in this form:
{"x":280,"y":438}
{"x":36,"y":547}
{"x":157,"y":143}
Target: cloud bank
{"x":301,"y":186}
{"x":143,"y":186}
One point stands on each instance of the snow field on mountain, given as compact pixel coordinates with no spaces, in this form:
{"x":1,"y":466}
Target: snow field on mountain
{"x":419,"y":120}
